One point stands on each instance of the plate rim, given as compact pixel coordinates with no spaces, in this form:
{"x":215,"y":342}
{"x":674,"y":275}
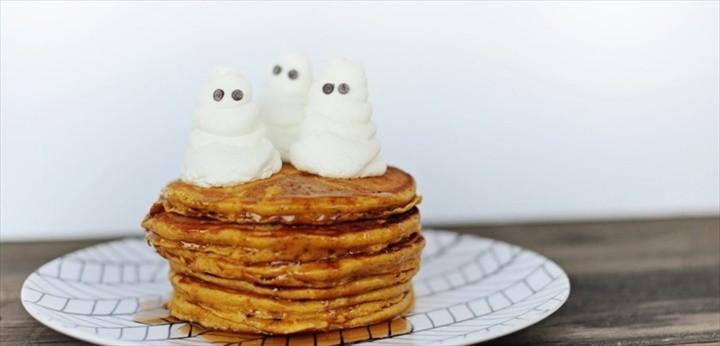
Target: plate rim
{"x":55,"y":325}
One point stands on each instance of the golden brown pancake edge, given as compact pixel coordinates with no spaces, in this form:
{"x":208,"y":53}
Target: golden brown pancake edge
{"x":267,"y":243}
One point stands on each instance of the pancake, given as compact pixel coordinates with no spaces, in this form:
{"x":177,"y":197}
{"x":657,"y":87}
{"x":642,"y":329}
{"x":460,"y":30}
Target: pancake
{"x":231,"y":319}
{"x":295,"y":197}
{"x":268,"y":243}
{"x":357,"y":286}
{"x":292,"y":253}
{"x":268,"y":307}
{"x":395,"y":258}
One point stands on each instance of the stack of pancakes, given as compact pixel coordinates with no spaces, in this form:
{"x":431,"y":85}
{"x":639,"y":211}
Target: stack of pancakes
{"x":295,"y":252}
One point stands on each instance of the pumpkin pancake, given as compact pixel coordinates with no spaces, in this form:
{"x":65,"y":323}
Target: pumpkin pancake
{"x":227,"y":318}
{"x":268,"y":243}
{"x":291,"y":253}
{"x":396,"y":258}
{"x":295,"y":197}
{"x":357,"y":286}
{"x":267,"y":307}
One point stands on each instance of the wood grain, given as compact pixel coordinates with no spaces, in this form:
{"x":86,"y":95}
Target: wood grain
{"x":651,"y":282}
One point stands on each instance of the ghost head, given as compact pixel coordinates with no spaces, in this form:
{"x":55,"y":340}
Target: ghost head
{"x":226,"y":106}
{"x":342,"y":81}
{"x":290,"y":75}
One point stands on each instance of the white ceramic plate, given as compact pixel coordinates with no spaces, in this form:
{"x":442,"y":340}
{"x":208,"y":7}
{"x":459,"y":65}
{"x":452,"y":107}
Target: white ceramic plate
{"x":469,"y":290}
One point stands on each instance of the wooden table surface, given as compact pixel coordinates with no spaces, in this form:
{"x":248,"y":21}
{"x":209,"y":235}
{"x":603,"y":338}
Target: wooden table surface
{"x":652,"y":282}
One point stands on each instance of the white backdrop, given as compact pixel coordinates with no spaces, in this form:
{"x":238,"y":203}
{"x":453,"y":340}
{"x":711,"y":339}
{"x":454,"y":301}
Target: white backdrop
{"x":515,"y":111}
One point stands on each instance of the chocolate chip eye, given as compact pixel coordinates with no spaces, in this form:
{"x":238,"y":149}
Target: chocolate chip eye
{"x":218,"y":94}
{"x":277,"y":69}
{"x":237,"y":94}
{"x":293,"y":74}
{"x":343,"y":88}
{"x":328,"y":88}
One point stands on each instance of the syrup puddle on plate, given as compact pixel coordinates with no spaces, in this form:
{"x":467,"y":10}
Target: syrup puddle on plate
{"x":151,"y":313}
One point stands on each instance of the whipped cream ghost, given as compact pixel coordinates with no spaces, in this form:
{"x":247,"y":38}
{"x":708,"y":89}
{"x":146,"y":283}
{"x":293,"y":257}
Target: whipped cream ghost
{"x":228,"y":144}
{"x":337,"y":137}
{"x":282,"y":106}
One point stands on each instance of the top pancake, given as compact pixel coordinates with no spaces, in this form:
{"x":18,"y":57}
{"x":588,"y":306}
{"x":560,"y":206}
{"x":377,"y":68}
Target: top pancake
{"x":295,"y":197}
